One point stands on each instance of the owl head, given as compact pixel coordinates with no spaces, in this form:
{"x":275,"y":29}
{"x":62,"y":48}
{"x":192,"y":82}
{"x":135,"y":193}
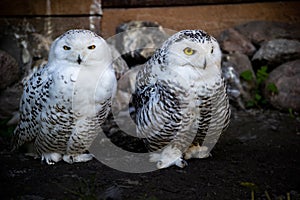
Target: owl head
{"x":79,"y":47}
{"x":190,"y":48}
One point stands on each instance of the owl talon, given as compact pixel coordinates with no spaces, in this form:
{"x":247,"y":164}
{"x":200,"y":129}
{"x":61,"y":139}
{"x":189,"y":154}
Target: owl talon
{"x":181,"y":163}
{"x":51,"y":158}
{"x":78,"y":158}
{"x":168,"y":157}
{"x":196,"y":151}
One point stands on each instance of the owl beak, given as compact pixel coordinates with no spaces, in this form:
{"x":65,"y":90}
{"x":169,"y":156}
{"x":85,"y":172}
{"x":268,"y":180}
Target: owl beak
{"x":205,"y":64}
{"x":79,"y":59}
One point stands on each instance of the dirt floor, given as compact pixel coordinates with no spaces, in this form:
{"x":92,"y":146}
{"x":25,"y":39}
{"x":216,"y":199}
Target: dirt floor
{"x":257,"y":158}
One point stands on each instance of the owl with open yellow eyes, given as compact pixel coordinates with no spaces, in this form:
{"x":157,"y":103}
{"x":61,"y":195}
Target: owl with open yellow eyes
{"x":180,"y":99}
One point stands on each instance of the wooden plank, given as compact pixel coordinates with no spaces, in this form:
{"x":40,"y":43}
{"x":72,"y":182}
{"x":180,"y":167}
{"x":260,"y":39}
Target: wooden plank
{"x":159,"y":3}
{"x":212,"y":18}
{"x":48,"y":26}
{"x":13,"y":8}
{"x":45,"y":7}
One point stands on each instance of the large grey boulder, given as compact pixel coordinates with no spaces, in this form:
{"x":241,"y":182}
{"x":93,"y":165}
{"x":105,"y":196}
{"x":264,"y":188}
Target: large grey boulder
{"x":262,"y":31}
{"x":231,"y":41}
{"x":119,"y":64}
{"x":276,"y":52}
{"x":282,"y":88}
{"x":137,"y":40}
{"x":10,"y":71}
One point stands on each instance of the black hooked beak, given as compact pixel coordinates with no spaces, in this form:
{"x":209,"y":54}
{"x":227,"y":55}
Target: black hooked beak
{"x":79,"y":60}
{"x":204,"y":64}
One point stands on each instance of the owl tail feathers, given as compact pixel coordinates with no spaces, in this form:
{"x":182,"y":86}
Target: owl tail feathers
{"x":16,"y":140}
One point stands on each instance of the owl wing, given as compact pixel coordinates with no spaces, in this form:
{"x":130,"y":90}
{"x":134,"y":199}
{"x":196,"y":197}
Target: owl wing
{"x":89,"y":125}
{"x":35,"y":94}
{"x":87,"y":128}
{"x":213,"y":117}
{"x":161,"y":113}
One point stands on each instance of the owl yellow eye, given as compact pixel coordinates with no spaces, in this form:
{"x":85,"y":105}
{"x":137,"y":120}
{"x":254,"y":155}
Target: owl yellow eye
{"x":188,"y":51}
{"x":66,"y":47}
{"x":92,"y":47}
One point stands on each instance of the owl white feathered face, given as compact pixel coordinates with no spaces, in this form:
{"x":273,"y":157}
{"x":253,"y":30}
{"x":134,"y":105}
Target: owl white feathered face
{"x":80,"y":47}
{"x":199,"y":55}
{"x":190,"y":51}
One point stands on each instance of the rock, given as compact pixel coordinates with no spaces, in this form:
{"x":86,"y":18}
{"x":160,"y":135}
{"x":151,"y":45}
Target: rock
{"x":15,"y":38}
{"x":126,"y":87}
{"x":232,"y":41}
{"x":127,"y":82}
{"x":137,"y":40}
{"x":119,"y":64}
{"x":276,"y":52}
{"x":238,"y":89}
{"x":10,"y":45}
{"x":262,"y":31}
{"x":38,"y":47}
{"x":10,"y":71}
{"x":286,"y":93}
{"x":241,"y":62}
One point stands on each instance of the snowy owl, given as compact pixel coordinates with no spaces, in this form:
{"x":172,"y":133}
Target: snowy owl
{"x":65,"y":102}
{"x":180,"y":99}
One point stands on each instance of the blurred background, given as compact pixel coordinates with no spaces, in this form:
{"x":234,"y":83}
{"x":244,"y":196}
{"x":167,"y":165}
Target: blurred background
{"x":104,"y":16}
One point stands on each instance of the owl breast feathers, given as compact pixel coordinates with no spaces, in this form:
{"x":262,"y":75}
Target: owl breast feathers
{"x":65,"y":102}
{"x":180,"y":99}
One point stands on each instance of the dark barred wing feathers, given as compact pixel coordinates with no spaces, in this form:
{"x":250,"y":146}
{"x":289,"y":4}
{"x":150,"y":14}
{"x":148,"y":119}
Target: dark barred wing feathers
{"x":35,"y":95}
{"x":160,"y":114}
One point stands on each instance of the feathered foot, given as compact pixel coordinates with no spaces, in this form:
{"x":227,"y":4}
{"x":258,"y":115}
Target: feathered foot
{"x":51,"y":158}
{"x":168,"y":157}
{"x":78,"y":158}
{"x":196,"y":151}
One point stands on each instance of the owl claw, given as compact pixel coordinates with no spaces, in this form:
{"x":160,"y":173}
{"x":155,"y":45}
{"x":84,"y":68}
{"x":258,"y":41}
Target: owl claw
{"x":78,"y":158}
{"x":51,"y":158}
{"x":181,"y":163}
{"x":168,"y":157}
{"x":196,"y":151}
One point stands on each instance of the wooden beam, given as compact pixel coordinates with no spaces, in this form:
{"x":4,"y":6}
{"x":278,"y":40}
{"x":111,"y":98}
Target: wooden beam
{"x":48,"y":26}
{"x":212,"y":18}
{"x":10,"y":8}
{"x":164,"y":3}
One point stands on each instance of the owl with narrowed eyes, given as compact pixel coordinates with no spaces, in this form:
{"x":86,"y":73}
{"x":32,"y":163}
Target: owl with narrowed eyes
{"x":65,"y":102}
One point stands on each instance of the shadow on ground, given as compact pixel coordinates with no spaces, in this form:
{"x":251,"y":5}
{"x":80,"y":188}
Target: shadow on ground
{"x":258,"y":155}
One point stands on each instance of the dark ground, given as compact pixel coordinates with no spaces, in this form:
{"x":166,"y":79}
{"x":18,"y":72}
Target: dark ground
{"x":258,"y":154}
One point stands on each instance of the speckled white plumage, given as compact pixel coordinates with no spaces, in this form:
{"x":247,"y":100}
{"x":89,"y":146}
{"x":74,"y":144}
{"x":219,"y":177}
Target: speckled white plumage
{"x":180,"y":99}
{"x":65,"y":102}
